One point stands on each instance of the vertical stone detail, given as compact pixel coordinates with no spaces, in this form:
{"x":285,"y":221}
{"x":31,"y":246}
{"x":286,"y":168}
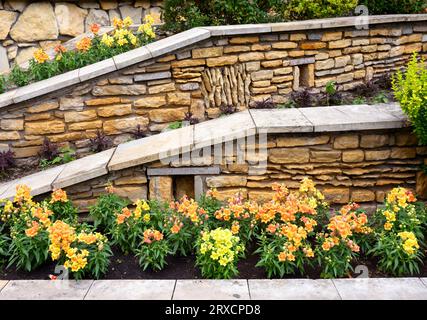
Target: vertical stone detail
{"x":160,"y":188}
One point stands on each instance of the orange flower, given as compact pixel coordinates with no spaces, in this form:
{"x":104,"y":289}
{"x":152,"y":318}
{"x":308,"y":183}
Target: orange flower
{"x":59,"y":195}
{"x":94,"y":28}
{"x":235,"y":228}
{"x":109,"y":188}
{"x":60,"y":49}
{"x":84,"y":44}
{"x":175,"y":229}
{"x":33,"y":230}
{"x":282,"y":256}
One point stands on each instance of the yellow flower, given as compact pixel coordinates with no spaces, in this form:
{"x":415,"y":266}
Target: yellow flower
{"x":388,"y":226}
{"x":146,"y":217}
{"x":149,"y":19}
{"x":107,"y":40}
{"x":127,"y":22}
{"x":41,"y":56}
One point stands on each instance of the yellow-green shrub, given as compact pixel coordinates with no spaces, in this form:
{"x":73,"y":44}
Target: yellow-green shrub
{"x":410,"y":89}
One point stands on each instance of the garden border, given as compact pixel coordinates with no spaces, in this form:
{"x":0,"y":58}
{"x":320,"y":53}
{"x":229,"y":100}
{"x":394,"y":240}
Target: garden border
{"x":194,"y":137}
{"x":244,"y":289}
{"x":179,"y":41}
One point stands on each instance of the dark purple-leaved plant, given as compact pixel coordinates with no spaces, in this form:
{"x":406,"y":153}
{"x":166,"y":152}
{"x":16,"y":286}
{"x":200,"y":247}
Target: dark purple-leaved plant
{"x":7,"y":159}
{"x":49,"y":150}
{"x":227,"y":109}
{"x":101,"y":142}
{"x":189,"y":117}
{"x":139,"y":133}
{"x":303,"y":98}
{"x":265,"y":104}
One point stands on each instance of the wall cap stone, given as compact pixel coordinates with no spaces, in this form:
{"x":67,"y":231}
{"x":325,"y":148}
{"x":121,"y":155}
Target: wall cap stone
{"x":169,"y":144}
{"x":177,"y":42}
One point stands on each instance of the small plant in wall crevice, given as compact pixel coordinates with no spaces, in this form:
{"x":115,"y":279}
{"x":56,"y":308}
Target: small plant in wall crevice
{"x":100,"y":142}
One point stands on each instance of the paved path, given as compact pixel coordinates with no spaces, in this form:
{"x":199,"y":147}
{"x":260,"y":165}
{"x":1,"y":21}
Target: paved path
{"x":284,"y":289}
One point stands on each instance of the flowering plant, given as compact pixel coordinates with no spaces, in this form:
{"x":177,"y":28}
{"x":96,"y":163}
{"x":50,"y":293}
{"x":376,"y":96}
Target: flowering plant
{"x":339,"y":242}
{"x":153,"y":250}
{"x":27,"y":221}
{"x":82,"y":251}
{"x":289,"y":220}
{"x":184,"y":221}
{"x":399,"y":233}
{"x":4,"y":245}
{"x":88,"y":50}
{"x":238,"y":216}
{"x":217,"y":253}
{"x":61,"y":207}
{"x":129,"y":225}
{"x":105,"y":210}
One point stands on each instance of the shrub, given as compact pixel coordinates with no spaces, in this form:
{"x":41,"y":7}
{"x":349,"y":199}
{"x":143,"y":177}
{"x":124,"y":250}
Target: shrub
{"x":182,"y":15}
{"x":105,"y":210}
{"x":153,"y":250}
{"x":101,"y":142}
{"x":399,"y":233}
{"x":366,"y":89}
{"x":394,"y":6}
{"x":7,"y":160}
{"x":410,"y":89}
{"x":314,"y":9}
{"x":217,"y":253}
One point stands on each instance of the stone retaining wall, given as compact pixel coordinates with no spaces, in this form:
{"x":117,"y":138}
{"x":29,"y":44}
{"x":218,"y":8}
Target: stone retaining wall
{"x":26,"y":26}
{"x":223,"y":70}
{"x":358,"y":166}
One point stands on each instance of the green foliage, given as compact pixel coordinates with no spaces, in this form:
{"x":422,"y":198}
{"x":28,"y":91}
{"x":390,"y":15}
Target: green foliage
{"x":175,"y":125}
{"x":3,"y":83}
{"x":105,"y":209}
{"x":394,"y":6}
{"x":182,"y":15}
{"x":153,"y":255}
{"x":380,"y":98}
{"x":26,"y":252}
{"x":336,"y":262}
{"x":359,"y":100}
{"x":410,"y":89}
{"x":19,"y":76}
{"x":314,"y":9}
{"x":269,"y":250}
{"x":66,"y":155}
{"x":4,"y":245}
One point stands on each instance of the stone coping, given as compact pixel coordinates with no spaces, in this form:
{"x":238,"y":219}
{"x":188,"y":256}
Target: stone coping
{"x":241,"y":289}
{"x":239,"y":125}
{"x":179,"y":41}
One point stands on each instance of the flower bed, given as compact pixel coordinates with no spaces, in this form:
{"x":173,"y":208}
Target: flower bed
{"x":87,"y":51}
{"x":294,"y":234}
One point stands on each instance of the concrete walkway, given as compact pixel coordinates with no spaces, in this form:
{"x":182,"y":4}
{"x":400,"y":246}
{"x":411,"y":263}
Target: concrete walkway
{"x":284,"y":289}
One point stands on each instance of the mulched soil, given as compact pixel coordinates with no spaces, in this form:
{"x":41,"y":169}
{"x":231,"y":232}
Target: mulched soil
{"x":126,"y":267}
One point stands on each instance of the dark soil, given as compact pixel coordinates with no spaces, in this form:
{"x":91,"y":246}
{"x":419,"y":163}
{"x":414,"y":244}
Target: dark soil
{"x":126,"y":267}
